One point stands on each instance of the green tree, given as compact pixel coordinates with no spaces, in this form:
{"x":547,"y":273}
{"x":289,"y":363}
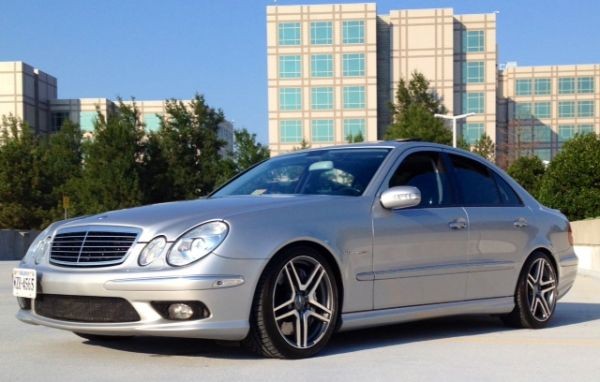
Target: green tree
{"x":413,"y":112}
{"x":528,"y":172}
{"x":485,"y":147}
{"x":21,"y":178}
{"x":572,"y":180}
{"x":355,"y":138}
{"x":303,"y":145}
{"x":191,"y":147}
{"x":461,"y":143}
{"x":113,"y":163}
{"x":247,"y":151}
{"x":154,"y":176}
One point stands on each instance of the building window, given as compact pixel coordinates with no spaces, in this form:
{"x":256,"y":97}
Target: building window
{"x":585,"y":85}
{"x":566,"y":109}
{"x":565,"y":132}
{"x":473,"y":103}
{"x":290,"y":67}
{"x":321,"y":33}
{"x":523,"y":110}
{"x":322,"y":65}
{"x":152,"y":122}
{"x":473,"y":41}
{"x":585,"y":129}
{"x":585,"y":109}
{"x":322,"y":130}
{"x":290,"y":99}
{"x":525,"y":134}
{"x":543,"y":86}
{"x":472,"y":132}
{"x":473,"y":72}
{"x":322,"y":98}
{"x":58,"y":118}
{"x":354,"y":127}
{"x":354,"y":97}
{"x":353,"y":32}
{"x":289,"y":34}
{"x":354,"y":65}
{"x":543,"y":154}
{"x":543,"y":110}
{"x":290,"y":131}
{"x":523,"y":87}
{"x":542,"y":133}
{"x":566,"y":85}
{"x":87,"y":120}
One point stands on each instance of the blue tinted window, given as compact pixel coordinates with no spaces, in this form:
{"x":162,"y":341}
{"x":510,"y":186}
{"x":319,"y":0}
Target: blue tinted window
{"x":290,"y":99}
{"x":290,"y":131}
{"x":566,"y":85}
{"x":472,"y":132}
{"x":289,"y":34}
{"x":543,"y":110}
{"x":585,"y":84}
{"x":289,"y":67}
{"x":543,"y":86}
{"x":566,"y":109}
{"x":523,"y":87}
{"x":475,"y":182}
{"x":473,"y":103}
{"x":321,"y":33}
{"x":322,"y":65}
{"x":353,"y":32}
{"x":473,"y":72}
{"x":87,"y":119}
{"x":354,"y":127}
{"x":585,"y":109}
{"x":473,"y":41}
{"x":322,"y":98}
{"x":354,"y":97}
{"x":322,"y":130}
{"x":354,"y":65}
{"x":152,"y":122}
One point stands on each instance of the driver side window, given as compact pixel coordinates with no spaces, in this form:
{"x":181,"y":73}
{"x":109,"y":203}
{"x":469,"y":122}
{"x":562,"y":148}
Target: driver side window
{"x":425,"y":171}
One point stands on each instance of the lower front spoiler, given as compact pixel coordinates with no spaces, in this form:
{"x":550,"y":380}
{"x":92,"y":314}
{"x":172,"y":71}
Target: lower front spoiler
{"x":205,"y":329}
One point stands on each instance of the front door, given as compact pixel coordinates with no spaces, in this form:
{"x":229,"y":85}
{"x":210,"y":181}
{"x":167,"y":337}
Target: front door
{"x":420,"y":253}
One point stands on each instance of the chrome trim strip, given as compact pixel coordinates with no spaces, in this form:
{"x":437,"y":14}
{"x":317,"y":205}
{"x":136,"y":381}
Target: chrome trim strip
{"x":358,"y":320}
{"x":438,"y":269}
{"x":167,"y":283}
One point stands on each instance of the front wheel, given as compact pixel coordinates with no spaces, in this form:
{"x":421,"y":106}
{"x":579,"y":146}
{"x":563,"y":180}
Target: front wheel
{"x":295,"y":309}
{"x":536,"y":294}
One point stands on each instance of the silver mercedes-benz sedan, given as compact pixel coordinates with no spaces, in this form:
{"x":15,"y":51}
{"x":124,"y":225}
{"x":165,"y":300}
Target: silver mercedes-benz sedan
{"x":306,"y":244}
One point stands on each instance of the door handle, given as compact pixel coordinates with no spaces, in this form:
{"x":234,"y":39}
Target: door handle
{"x":458,"y":223}
{"x":520,"y":223}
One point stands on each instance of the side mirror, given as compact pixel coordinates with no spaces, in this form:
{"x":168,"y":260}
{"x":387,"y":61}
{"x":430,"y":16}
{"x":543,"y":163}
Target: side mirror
{"x":400,"y":197}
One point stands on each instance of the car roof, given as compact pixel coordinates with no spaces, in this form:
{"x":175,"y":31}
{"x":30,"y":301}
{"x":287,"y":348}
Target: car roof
{"x":401,"y":143}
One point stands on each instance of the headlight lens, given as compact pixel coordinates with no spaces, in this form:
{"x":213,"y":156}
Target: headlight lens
{"x":197,"y":243}
{"x":39,"y":247}
{"x":152,"y":251}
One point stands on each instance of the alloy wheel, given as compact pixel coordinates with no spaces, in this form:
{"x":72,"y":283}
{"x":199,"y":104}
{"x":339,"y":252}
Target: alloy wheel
{"x":541,"y":289}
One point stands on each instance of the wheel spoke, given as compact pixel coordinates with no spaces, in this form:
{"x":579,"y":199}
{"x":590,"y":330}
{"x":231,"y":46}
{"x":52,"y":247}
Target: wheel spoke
{"x":304,"y":287}
{"x":536,"y":276}
{"x":544,"y":307}
{"x":294,"y":274}
{"x":534,"y":305}
{"x":530,"y":283}
{"x":305,"y":330}
{"x":550,"y":281}
{"x":298,"y":331}
{"x":290,"y":313}
{"x":287,"y":303}
{"x":318,"y":316}
{"x":317,"y":283}
{"x":317,"y":304}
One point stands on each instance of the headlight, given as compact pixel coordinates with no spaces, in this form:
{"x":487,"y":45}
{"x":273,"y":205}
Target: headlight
{"x":197,"y":243}
{"x":39,"y":248}
{"x":152,"y":250}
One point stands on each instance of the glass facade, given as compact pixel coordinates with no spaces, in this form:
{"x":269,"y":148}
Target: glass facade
{"x":354,"y":97}
{"x":152,"y":122}
{"x":585,"y":129}
{"x":321,"y":33}
{"x":322,"y":65}
{"x":353,"y":32}
{"x":472,"y":132}
{"x":565,"y":132}
{"x":87,"y":119}
{"x":290,"y":131}
{"x":566,"y":109}
{"x":322,"y":98}
{"x":322,"y":131}
{"x":543,"y":110}
{"x":354,"y":127}
{"x":542,"y":134}
{"x":473,"y":102}
{"x":585,"y":85}
{"x":523,"y":110}
{"x":543,"y":86}
{"x":473,"y":72}
{"x":585,"y":109}
{"x":473,"y":41}
{"x":290,"y":99}
{"x":353,"y":65}
{"x":290,"y":67}
{"x":289,"y":34}
{"x":523,"y":87}
{"x":566,"y":85}
{"x":543,"y":154}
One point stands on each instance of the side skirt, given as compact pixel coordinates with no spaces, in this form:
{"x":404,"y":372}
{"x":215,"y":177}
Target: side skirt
{"x":358,"y":320}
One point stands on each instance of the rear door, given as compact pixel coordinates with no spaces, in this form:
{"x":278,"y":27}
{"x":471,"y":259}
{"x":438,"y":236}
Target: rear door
{"x":499,"y":228}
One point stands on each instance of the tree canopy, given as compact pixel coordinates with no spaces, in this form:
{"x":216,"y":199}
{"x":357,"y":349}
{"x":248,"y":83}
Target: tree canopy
{"x":528,"y":172}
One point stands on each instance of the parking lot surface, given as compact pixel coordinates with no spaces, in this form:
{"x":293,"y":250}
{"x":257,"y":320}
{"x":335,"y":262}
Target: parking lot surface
{"x":459,"y":348}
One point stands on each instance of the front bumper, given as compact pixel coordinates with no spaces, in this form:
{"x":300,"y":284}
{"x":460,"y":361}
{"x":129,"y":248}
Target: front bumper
{"x":225,"y":286}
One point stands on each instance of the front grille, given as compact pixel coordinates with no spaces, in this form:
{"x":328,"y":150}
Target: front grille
{"x":90,"y":248}
{"x":84,"y":308}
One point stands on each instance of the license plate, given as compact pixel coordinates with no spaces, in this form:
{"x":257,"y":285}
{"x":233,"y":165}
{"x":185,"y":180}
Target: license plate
{"x":24,"y":283}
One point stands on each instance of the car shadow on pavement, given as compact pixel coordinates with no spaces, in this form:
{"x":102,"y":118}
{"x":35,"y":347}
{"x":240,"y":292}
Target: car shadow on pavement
{"x":567,"y":313}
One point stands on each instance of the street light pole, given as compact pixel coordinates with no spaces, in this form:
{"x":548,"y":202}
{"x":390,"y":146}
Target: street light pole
{"x":454,"y":118}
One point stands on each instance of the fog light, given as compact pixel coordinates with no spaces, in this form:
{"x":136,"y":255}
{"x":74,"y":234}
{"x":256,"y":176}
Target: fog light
{"x":180,"y":311}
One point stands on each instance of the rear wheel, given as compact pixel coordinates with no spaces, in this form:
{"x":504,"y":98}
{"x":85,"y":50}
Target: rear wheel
{"x":100,"y":338}
{"x":295,"y":309}
{"x":536,"y":294}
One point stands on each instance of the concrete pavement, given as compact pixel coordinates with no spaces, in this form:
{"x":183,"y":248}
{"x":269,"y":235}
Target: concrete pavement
{"x":463,"y":348}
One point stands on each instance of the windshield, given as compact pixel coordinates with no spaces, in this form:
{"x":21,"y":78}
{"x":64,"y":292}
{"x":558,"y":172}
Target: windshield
{"x":321,"y":172}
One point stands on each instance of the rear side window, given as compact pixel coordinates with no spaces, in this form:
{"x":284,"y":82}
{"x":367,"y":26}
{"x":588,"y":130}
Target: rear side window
{"x":475,"y":182}
{"x":425,"y":171}
{"x":508,"y":196}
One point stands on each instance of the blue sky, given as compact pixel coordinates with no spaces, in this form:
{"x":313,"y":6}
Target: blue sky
{"x":164,"y":49}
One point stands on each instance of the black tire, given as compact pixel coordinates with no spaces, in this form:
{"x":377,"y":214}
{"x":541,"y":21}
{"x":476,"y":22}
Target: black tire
{"x":101,"y":338}
{"x":277,"y":337}
{"x":535,"y":297}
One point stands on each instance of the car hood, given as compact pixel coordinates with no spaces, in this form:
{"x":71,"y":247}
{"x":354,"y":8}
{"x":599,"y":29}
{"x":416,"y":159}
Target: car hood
{"x":175,"y":218}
